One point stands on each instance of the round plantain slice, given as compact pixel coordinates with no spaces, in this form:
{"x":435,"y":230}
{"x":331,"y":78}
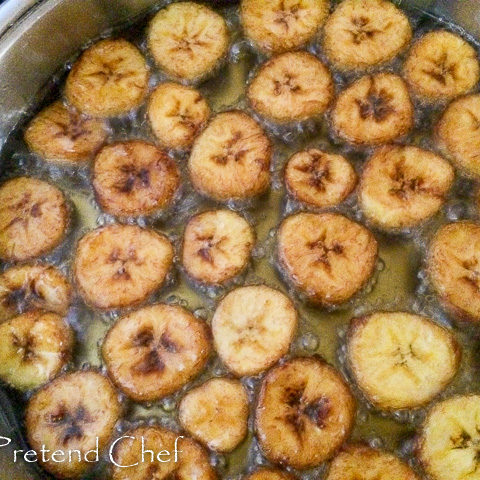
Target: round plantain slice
{"x":216,"y":413}
{"x":441,"y":65}
{"x":177,"y":114}
{"x":110,"y":78}
{"x":266,"y":473}
{"x":458,"y":134}
{"x":34,"y":347}
{"x":305,"y":412}
{"x":61,"y":134}
{"x":327,"y":256}
{"x":253,"y":328}
{"x":73,"y":412}
{"x":216,"y":246}
{"x":319,"y":179}
{"x":290,"y":87}
{"x":34,"y":218}
{"x":134,"y":178}
{"x":448,"y":442}
{"x":188,"y":40}
{"x":453,"y":266}
{"x":276,"y":26}
{"x":35,"y":286}
{"x":121,"y":265}
{"x":231,"y":158}
{"x":400,"y":360}
{"x":362,"y":33}
{"x":374,"y":109}
{"x":154,"y":351}
{"x":402,"y":186}
{"x":189,"y":462}
{"x":360,"y":462}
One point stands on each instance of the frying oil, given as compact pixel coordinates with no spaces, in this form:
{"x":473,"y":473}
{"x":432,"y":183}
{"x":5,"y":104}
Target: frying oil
{"x":399,"y":282}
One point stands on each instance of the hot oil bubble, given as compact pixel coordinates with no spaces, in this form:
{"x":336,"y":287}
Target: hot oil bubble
{"x":168,"y":404}
{"x":310,"y":342}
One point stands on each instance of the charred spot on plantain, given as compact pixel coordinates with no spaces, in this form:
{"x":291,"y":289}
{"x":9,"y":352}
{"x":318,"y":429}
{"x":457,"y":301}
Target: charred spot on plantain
{"x":325,"y":250}
{"x":133,"y":178}
{"x":376,"y":105}
{"x":21,"y":298}
{"x":441,"y":70}
{"x":473,"y":276}
{"x":231,"y":152}
{"x":403,"y":185}
{"x":122,"y":270}
{"x":462,"y":441}
{"x":286,"y":14}
{"x":286,"y":84}
{"x":205,"y":254}
{"x":317,"y":411}
{"x":107,"y":72}
{"x":144,"y":338}
{"x":168,"y":344}
{"x":186,"y":45}
{"x":360,"y":31}
{"x":36,"y":211}
{"x":70,"y":422}
{"x":74,"y":129}
{"x":318,"y":172}
{"x":25,"y":347}
{"x":404,"y":357}
{"x":151,"y":362}
{"x":208,"y":243}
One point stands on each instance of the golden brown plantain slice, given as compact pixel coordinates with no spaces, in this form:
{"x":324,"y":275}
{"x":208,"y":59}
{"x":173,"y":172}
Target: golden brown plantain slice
{"x":453,"y":266}
{"x":276,"y":26}
{"x":34,"y":347}
{"x":134,"y":178}
{"x":318,"y":178}
{"x":177,"y":114}
{"x":290,"y":87}
{"x":189,"y":462}
{"x":360,"y":462}
{"x":441,"y":65}
{"x":35,"y":286}
{"x":187,"y":40}
{"x":72,"y":413}
{"x":61,"y":134}
{"x":121,"y":265}
{"x":110,"y":78}
{"x":34,"y":217}
{"x":447,"y":446}
{"x":253,"y":328}
{"x":458,"y":134}
{"x":327,"y":256}
{"x":216,"y":246}
{"x":362,"y":33}
{"x":156,"y":350}
{"x":216,"y":413}
{"x":266,"y":473}
{"x":374,"y":109}
{"x":402,"y":186}
{"x":401,"y":360}
{"x":231,"y":158}
{"x":305,"y":412}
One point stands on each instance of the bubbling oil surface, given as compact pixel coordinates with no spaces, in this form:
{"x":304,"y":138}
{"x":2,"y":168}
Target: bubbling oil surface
{"x":399,"y":282}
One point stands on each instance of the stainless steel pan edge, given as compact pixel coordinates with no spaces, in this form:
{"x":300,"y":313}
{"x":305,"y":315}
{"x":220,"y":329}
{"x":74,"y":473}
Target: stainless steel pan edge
{"x":36,"y":44}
